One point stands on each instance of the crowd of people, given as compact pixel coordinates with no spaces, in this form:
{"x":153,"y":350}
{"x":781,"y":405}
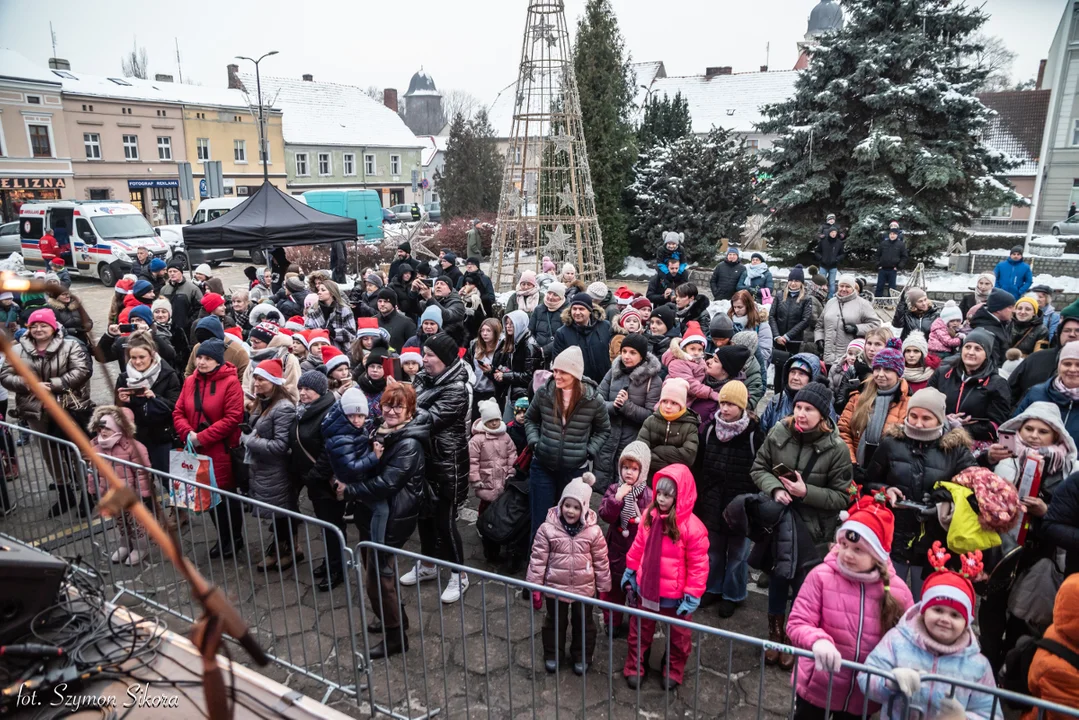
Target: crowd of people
{"x":890,"y":474}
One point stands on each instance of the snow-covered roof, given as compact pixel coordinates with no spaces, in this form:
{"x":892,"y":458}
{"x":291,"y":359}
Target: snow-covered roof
{"x":732,"y":101}
{"x":1017,"y":127}
{"x":433,"y":145}
{"x":321,"y":113}
{"x":422,"y":84}
{"x":18,"y":67}
{"x":646,"y":73}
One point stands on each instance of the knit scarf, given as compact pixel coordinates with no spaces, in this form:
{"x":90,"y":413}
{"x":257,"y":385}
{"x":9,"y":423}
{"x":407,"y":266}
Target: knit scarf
{"x":923,"y":434}
{"x":651,"y":560}
{"x":573,"y":529}
{"x":672,"y":416}
{"x":1054,"y":454}
{"x":980,"y":298}
{"x":144,"y":379}
{"x":938,"y":647}
{"x":877,"y":419}
{"x":528,"y":299}
{"x":739,"y":322}
{"x":1071,"y":393}
{"x":917,"y":374}
{"x":727,"y":431}
{"x":755,"y":272}
{"x":555,"y":306}
{"x":630,"y":511}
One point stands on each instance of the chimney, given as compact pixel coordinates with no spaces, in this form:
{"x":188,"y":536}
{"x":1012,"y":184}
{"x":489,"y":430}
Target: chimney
{"x":389,"y":98}
{"x":1041,"y":75}
{"x":161,"y":77}
{"x":59,"y":64}
{"x":711,"y":72}
{"x":764,"y":68}
{"x":308,"y":77}
{"x":234,"y":77}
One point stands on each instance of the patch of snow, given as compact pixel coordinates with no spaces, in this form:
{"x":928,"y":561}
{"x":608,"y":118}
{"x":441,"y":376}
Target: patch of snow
{"x":941,"y":281}
{"x":504,"y":298}
{"x":635,"y":267}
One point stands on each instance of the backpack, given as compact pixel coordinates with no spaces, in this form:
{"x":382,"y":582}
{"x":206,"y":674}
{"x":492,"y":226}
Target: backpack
{"x":508,"y":519}
{"x":1018,"y":660}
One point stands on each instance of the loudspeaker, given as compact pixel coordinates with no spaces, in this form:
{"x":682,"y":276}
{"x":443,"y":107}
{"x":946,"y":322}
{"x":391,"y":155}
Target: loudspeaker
{"x":31,"y":581}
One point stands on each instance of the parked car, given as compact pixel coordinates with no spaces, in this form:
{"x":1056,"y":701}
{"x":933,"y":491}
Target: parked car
{"x":403,"y":212}
{"x":388,"y":216}
{"x":434,"y":211}
{"x":9,"y":239}
{"x":363,"y":206}
{"x":1069,"y":226}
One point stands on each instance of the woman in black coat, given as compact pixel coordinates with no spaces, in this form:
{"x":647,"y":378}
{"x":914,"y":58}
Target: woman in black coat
{"x":973,"y":389}
{"x":910,"y":460}
{"x":150,"y":387}
{"x":515,"y":362}
{"x":915,"y":311}
{"x":791,"y":315}
{"x":306,"y":444}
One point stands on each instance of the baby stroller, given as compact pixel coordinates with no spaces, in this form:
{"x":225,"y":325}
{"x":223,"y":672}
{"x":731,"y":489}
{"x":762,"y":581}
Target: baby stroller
{"x":507,"y":522}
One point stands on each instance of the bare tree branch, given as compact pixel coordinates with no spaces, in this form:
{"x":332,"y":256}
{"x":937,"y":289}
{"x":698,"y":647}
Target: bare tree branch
{"x":460,"y":101}
{"x":136,"y":63}
{"x":995,"y":59}
{"x":374,"y":92}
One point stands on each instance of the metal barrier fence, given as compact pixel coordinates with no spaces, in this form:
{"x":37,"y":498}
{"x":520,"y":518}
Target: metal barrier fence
{"x":478,"y":657}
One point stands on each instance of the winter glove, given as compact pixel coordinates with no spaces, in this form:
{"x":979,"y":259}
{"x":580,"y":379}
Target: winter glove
{"x":907,"y":680}
{"x":629,"y":578}
{"x":537,"y":600}
{"x":820,"y":348}
{"x":850,"y":328}
{"x":689,"y":605}
{"x":825,"y":656}
{"x":951,"y":709}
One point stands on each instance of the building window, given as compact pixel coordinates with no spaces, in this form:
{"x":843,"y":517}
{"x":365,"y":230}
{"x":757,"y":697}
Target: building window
{"x":239,"y":151}
{"x":395,"y":164}
{"x":349,"y":163}
{"x":99,"y":193}
{"x":324,"y":166}
{"x":301,"y":165}
{"x":202,"y":149}
{"x":40,"y":144}
{"x":200,"y":116}
{"x":369,"y":166}
{"x":33,"y":99}
{"x":92,"y":143}
{"x":237,"y":118}
{"x":164,"y":148}
{"x":753,"y":146}
{"x":1075,"y":128}
{"x":516,"y":155}
{"x":131,"y":147}
{"x":263,"y":157}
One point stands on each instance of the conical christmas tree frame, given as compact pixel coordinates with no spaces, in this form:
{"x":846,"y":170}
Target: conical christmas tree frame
{"x":547,"y":206}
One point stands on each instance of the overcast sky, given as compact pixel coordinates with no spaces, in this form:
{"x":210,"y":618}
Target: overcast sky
{"x":470,"y":44}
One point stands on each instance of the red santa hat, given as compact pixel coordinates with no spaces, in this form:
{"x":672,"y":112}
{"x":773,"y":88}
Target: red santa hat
{"x":872,"y":523}
{"x":124,"y":286}
{"x":303,"y":336}
{"x":624,"y":296}
{"x":948,"y":588}
{"x":332,"y":358}
{"x":368,"y":327}
{"x":235,"y":332}
{"x":57,"y":262}
{"x":294,"y":323}
{"x":693,"y":334}
{"x":321,"y":335}
{"x":271,"y":370}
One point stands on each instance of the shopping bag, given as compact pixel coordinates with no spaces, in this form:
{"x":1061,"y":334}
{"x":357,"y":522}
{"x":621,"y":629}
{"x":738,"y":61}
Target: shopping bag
{"x":187,"y":465}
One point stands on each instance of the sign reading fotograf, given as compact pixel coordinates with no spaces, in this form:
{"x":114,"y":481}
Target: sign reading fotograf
{"x":139,"y":184}
{"x":31,"y":183}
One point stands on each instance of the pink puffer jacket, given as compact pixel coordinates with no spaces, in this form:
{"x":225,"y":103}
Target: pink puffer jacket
{"x":684,"y":569}
{"x":679,"y":365}
{"x":833,"y":606}
{"x":491,"y":454}
{"x":128,"y":449}
{"x":940,"y":340}
{"x":576,"y":564}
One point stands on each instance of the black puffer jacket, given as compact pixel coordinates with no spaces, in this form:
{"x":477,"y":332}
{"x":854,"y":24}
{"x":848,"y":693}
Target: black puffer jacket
{"x":716,"y":489}
{"x":594,"y":340}
{"x":643,"y":385}
{"x":830,"y":252}
{"x":453,"y":315}
{"x":306,"y":442}
{"x":658,"y":286}
{"x":915,"y":467}
{"x":1033,"y":370}
{"x":153,"y":416}
{"x":543,"y":324}
{"x":726,"y":279}
{"x":907,"y":322}
{"x":1002,"y":334}
{"x":398,"y":479}
{"x":115,"y":347}
{"x":696,"y":310}
{"x":446,"y":401}
{"x":791,"y":316}
{"x":566,"y":447}
{"x":892,"y":254}
{"x":984,"y":396}
{"x":517,"y":366}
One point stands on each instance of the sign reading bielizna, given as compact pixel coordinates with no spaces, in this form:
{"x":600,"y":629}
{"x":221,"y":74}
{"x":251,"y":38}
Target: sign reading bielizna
{"x":31,"y":183}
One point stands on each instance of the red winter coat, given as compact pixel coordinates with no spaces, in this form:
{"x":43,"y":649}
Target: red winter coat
{"x":684,"y":570}
{"x":49,"y":247}
{"x":218,"y":425}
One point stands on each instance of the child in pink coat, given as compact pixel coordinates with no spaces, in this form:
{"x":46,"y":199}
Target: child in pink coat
{"x":491,"y":455}
{"x":570,"y":554}
{"x":115,"y":439}
{"x":843,"y":609}
{"x":685,"y":359}
{"x":667,"y":571}
{"x":945,"y":337}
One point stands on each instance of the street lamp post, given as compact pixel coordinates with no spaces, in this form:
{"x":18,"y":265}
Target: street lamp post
{"x":263,"y":149}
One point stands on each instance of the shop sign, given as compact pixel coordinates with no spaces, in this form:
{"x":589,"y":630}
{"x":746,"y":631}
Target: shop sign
{"x":139,"y":184}
{"x":41,"y":183}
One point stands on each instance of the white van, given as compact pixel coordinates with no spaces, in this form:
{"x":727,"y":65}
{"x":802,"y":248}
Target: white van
{"x":104,"y":235}
{"x":212,"y":208}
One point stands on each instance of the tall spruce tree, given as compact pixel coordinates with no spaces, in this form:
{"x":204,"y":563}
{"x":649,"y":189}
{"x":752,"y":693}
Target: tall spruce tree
{"x":605,"y":84}
{"x":884,"y":125}
{"x":700,"y":186}
{"x":665,"y":120}
{"x":472,"y":177}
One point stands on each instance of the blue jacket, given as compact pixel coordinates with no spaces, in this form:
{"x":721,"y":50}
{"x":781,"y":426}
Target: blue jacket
{"x":782,"y":403}
{"x":1045,"y":392}
{"x":348,"y":446}
{"x":1051,"y":320}
{"x":1013,"y":276}
{"x":904,"y":646}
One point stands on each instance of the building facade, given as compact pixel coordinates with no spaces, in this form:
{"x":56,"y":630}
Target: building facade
{"x":422,"y":106}
{"x":1060,"y":185}
{"x":35,"y":162}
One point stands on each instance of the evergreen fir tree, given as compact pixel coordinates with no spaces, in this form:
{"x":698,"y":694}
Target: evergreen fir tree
{"x":700,"y":186}
{"x":664,"y":121}
{"x":605,"y":84}
{"x":471,"y":179}
{"x":884,"y":125}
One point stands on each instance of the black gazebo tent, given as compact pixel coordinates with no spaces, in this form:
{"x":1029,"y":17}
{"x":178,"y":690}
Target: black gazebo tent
{"x":270,"y":218}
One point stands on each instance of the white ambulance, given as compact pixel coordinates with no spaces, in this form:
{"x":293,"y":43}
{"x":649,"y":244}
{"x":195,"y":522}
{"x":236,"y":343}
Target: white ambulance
{"x":103,"y":235}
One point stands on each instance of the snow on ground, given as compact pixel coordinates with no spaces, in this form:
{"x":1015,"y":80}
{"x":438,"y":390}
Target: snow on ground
{"x":504,"y":298}
{"x":943,"y":281}
{"x":635,"y":267}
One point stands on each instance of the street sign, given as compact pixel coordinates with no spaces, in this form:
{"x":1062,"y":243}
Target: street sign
{"x":186,"y":180}
{"x":415,"y":180}
{"x":204,"y":192}
{"x":215,"y":182}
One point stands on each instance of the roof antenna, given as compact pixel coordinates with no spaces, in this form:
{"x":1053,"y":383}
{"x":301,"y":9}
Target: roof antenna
{"x":52,"y":33}
{"x":179,"y":67}
{"x":767,"y":53}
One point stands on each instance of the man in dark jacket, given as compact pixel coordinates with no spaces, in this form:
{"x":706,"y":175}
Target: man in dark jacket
{"x":663,"y":284}
{"x":140,"y":266}
{"x":1060,"y":526}
{"x":449,"y":269}
{"x":447,"y":299}
{"x":586,"y":327}
{"x":830,"y":251}
{"x":546,"y":319}
{"x":338,"y":261}
{"x":728,"y":276}
{"x":306,"y":444}
{"x":485,"y":286}
{"x":404,"y":255}
{"x":392,"y":320}
{"x":183,"y":295}
{"x":995,"y":317}
{"x":688,"y":304}
{"x":1042,"y":365}
{"x":891,"y":256}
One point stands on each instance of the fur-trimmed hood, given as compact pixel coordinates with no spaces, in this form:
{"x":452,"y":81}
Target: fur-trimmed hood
{"x":72,"y":305}
{"x":598,"y":314}
{"x":675,"y":352}
{"x":123,"y":417}
{"x":1048,"y":413}
{"x":648,"y":369}
{"x":951,"y":440}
